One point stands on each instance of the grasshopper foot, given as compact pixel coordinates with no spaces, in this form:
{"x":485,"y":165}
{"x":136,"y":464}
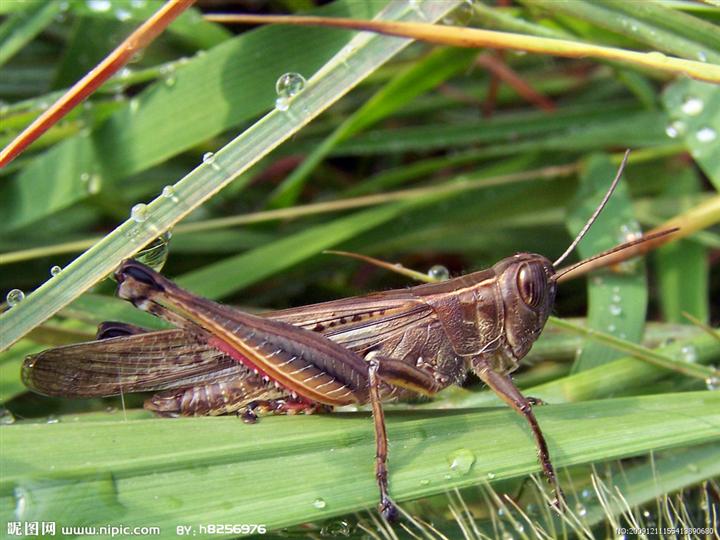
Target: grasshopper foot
{"x":139,"y":272}
{"x":388,"y":510}
{"x":248,"y":414}
{"x":535,"y":401}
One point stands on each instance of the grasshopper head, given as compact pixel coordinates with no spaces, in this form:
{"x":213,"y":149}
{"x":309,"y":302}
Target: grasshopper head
{"x":527,"y":284}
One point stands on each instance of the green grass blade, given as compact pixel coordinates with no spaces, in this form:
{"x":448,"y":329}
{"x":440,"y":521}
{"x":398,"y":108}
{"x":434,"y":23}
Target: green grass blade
{"x":165,"y":472}
{"x":694,"y":110}
{"x":682,"y":270}
{"x":22,"y":26}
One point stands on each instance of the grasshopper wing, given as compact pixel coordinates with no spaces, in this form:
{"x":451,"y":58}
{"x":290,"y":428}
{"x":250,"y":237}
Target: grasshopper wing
{"x":128,"y":363}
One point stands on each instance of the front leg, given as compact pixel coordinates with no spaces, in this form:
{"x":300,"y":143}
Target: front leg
{"x":386,"y":507}
{"x":503,"y":386}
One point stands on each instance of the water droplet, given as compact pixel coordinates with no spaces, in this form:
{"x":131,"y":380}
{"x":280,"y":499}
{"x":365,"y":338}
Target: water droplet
{"x":611,"y":328}
{"x":122,"y":14}
{"x":169,"y":193}
{"x":319,"y":503}
{"x":702,"y":56}
{"x":439,"y":272}
{"x":706,"y":134}
{"x":156,"y":253}
{"x":692,"y":105}
{"x":424,"y":482}
{"x":616,"y":298}
{"x":20,"y":495}
{"x":99,"y":6}
{"x":286,"y":87}
{"x":139,"y":213}
{"x":461,"y":461}
{"x":491,"y":475}
{"x":688,"y":353}
{"x":6,"y":417}
{"x":55,"y":270}
{"x":208,"y":157}
{"x":134,"y":105}
{"x":675,"y":129}
{"x":713,"y":383}
{"x":14,"y":297}
{"x":630,"y":231}
{"x":138,"y":3}
{"x":282,"y":104}
{"x":52,"y":419}
{"x":94,"y":184}
{"x":580,"y":509}
{"x":586,"y":493}
{"x":336,"y":528}
{"x":615,"y":310}
{"x":692,"y":467}
{"x":647,"y":513}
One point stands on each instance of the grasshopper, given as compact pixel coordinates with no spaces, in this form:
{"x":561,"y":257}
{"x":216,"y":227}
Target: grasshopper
{"x":385,"y":346}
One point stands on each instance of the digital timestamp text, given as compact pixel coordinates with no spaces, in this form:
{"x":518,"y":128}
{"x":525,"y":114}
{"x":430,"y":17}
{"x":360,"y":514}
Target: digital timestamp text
{"x":665,"y":531}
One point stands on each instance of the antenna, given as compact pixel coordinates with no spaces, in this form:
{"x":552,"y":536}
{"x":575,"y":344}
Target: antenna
{"x":622,"y":247}
{"x":596,"y":213}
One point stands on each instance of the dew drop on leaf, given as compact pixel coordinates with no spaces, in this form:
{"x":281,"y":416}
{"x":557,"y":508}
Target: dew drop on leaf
{"x":139,"y":213}
{"x":439,"y":272}
{"x":14,"y":297}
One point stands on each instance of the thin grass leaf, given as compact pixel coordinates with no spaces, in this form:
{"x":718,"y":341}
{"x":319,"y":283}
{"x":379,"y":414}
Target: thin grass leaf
{"x":473,"y":37}
{"x":23,"y":25}
{"x":661,"y":28}
{"x":574,"y":128}
{"x":683,"y":273}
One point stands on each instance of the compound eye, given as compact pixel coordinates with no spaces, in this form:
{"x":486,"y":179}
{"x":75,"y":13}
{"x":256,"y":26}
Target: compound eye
{"x":532,"y":282}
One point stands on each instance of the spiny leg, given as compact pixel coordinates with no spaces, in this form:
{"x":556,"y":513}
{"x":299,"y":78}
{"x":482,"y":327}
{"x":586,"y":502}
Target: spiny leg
{"x":503,"y":386}
{"x":387,"y":506}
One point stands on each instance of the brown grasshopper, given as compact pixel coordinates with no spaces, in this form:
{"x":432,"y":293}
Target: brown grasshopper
{"x":369,"y":349}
